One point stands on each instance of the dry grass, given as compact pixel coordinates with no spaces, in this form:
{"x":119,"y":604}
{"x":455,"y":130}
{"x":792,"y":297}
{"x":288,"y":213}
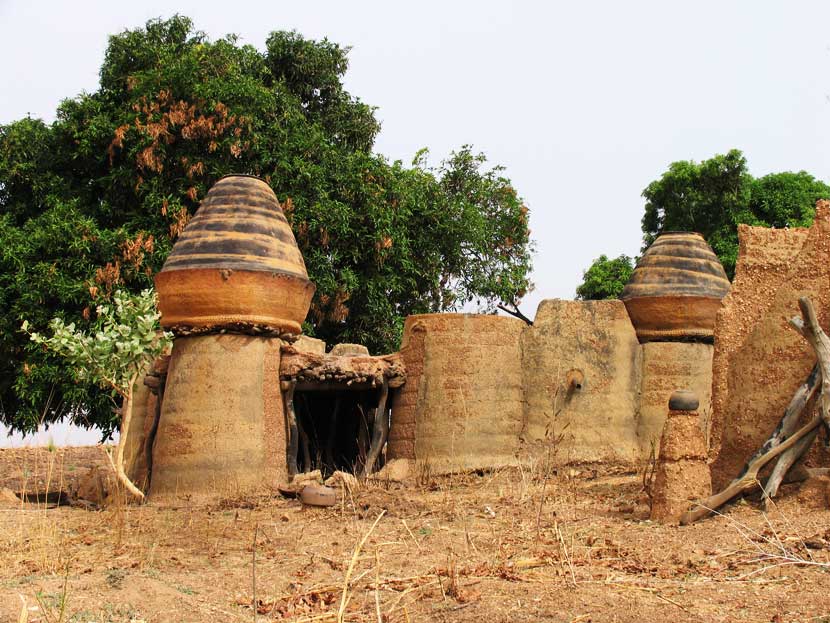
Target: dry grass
{"x":531,"y":544}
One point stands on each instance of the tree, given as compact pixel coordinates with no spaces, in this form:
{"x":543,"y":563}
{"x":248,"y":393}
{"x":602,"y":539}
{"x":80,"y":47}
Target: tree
{"x":715,"y":196}
{"x":121,"y":343}
{"x":605,"y":278}
{"x":93,"y":202}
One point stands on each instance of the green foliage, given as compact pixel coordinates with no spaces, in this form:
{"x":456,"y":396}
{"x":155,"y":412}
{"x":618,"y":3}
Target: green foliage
{"x":605,"y":278}
{"x":124,"y":338}
{"x":94,"y":202}
{"x":715,"y":196}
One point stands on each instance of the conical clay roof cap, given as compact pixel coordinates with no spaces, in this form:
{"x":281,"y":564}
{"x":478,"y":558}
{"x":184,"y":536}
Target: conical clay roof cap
{"x":676,"y":289}
{"x":236,"y":264}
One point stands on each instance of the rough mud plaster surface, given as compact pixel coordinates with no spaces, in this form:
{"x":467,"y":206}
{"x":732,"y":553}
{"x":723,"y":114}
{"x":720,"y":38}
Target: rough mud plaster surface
{"x":668,"y":366}
{"x":305,"y":344}
{"x":682,"y":475}
{"x":333,"y":368}
{"x":221,"y":431}
{"x":461,"y":407}
{"x":759,"y":360}
{"x":599,"y":421}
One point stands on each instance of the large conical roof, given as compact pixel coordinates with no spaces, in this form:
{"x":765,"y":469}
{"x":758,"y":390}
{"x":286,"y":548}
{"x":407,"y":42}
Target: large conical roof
{"x":239,"y":226}
{"x":236,"y":265}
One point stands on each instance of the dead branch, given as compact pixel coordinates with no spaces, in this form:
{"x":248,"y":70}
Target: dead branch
{"x":515,"y":312}
{"x":785,"y":428}
{"x":821,"y":344}
{"x":750,"y":478}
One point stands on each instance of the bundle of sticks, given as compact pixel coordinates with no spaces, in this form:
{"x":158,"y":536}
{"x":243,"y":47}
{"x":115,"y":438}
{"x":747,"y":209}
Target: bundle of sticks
{"x":787,"y":443}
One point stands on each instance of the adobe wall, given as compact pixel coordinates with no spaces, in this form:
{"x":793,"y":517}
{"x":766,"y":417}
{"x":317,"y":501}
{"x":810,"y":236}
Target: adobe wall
{"x":462,"y":405}
{"x":222,"y":429}
{"x":759,"y":361}
{"x":668,"y":366}
{"x":598,"y":422}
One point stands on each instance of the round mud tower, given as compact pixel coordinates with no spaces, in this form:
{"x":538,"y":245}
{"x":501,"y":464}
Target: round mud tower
{"x":222,"y":431}
{"x":236,"y":263}
{"x":461,"y":407}
{"x":682,"y":475}
{"x":676,"y":290}
{"x":666,"y":366}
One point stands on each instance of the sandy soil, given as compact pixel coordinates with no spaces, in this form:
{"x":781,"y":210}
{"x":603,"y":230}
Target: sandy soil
{"x":505,"y":546}
{"x":40,"y":470}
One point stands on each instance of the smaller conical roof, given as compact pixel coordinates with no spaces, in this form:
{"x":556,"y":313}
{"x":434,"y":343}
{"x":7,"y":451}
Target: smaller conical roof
{"x":678,"y":264}
{"x":676,"y":289}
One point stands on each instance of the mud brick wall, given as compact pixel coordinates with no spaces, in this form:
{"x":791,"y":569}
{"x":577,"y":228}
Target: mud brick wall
{"x":759,"y":361}
{"x":462,"y":405}
{"x":222,"y":428}
{"x":668,"y":366}
{"x":597,"y":422}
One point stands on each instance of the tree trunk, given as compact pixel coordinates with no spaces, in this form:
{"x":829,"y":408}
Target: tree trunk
{"x":126,"y":416}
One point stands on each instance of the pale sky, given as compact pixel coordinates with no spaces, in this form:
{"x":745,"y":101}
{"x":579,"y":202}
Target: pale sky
{"x":584,"y":103}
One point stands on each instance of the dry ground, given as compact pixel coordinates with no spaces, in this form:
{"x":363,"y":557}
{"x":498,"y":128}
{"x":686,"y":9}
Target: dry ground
{"x":504,"y":546}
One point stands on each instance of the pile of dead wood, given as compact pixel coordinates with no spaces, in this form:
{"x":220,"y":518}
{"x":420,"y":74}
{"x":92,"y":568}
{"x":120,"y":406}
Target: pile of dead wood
{"x":788,"y":443}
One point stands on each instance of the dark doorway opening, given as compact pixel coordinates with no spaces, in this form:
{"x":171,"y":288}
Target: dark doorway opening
{"x":335,"y":428}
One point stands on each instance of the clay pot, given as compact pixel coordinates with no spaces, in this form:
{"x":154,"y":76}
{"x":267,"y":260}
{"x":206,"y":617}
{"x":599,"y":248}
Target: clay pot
{"x":684,"y":400}
{"x":676,"y":290}
{"x":318,"y":495}
{"x":236,"y":263}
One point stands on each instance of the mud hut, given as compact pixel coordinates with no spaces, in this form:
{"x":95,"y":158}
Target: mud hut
{"x":232,"y":290}
{"x":673,"y":298}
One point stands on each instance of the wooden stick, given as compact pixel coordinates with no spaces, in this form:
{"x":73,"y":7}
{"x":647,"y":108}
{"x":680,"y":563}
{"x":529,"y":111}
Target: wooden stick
{"x":821,"y":344}
{"x":786,"y":427}
{"x":332,"y":437}
{"x":784,"y":465}
{"x":362,"y":437}
{"x":293,"y":433}
{"x":380,"y":432}
{"x":749,"y":478}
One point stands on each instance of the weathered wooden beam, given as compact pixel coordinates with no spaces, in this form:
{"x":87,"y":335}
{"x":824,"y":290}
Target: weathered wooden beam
{"x":380,"y":430}
{"x":788,"y":423}
{"x":821,"y":344}
{"x":293,"y":433}
{"x":750,"y":478}
{"x":332,"y":437}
